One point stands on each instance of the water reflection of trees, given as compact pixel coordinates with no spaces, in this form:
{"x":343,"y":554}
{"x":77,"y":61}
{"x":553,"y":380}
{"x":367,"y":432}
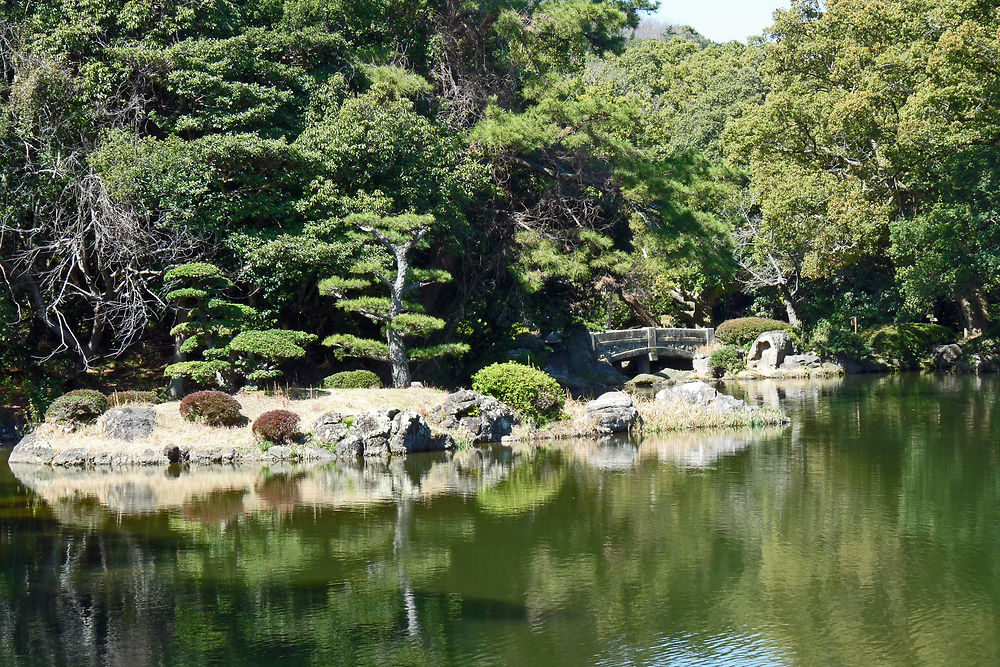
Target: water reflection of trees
{"x":865,"y":533}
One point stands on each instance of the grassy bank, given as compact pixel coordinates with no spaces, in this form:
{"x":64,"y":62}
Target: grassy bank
{"x":657,"y":417}
{"x":174,"y":430}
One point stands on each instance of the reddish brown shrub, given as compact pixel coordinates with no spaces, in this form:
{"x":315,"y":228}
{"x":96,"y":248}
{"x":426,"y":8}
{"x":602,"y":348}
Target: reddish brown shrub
{"x":213,"y":408}
{"x":277,"y":426}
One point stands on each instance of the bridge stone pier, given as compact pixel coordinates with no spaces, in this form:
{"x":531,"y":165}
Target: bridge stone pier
{"x":649,"y":344}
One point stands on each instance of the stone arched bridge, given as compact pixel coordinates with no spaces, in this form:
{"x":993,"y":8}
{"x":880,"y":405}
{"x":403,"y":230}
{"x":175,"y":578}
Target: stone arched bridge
{"x":649,"y":344}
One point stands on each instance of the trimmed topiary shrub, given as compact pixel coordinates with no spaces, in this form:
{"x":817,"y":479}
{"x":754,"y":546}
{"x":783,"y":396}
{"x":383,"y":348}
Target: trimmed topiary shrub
{"x":904,"y":345}
{"x":212,"y":408}
{"x":82,"y":406}
{"x":277,"y":427}
{"x":726,"y":358}
{"x":744,"y":330}
{"x":353,"y":380}
{"x":534,"y":393}
{"x":126,"y":397}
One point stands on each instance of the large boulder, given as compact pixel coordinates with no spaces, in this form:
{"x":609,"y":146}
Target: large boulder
{"x":701,"y":394}
{"x":768,"y":352}
{"x":697,"y":393}
{"x":410,"y":434}
{"x":944,"y":357}
{"x":32,"y":449}
{"x":373,"y":429}
{"x":483,"y":418}
{"x":130,"y":422}
{"x":614,"y":412}
{"x":329,"y":429}
{"x":794,"y":362}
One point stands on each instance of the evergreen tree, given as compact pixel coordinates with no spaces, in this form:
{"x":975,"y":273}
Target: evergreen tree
{"x":399,"y":316}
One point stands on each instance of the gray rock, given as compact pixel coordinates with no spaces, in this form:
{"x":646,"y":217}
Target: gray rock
{"x":150,"y":457}
{"x":71,"y":458}
{"x":410,"y":433}
{"x":727,"y":405}
{"x":214,"y":455}
{"x":701,"y":364}
{"x":808,"y":360}
{"x":373,"y":429}
{"x":944,"y":357}
{"x":646,"y":380}
{"x":768,"y":352}
{"x":698,"y":393}
{"x":614,"y":411}
{"x":32,"y":450}
{"x":483,"y":418}
{"x":329,"y":429}
{"x":349,"y":448}
{"x":278,"y":453}
{"x":129,"y":422}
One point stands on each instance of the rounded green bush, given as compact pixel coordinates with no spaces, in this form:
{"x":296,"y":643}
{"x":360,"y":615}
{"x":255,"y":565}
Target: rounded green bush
{"x":82,"y":406}
{"x":213,"y":408}
{"x":532,"y":392}
{"x":276,"y":427}
{"x":126,"y":397}
{"x":353,"y":380}
{"x":744,"y":330}
{"x":724,"y":359}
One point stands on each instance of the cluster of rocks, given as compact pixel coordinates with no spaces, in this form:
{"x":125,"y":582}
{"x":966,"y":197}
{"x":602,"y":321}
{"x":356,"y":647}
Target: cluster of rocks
{"x":378,"y":433}
{"x":482,"y":418}
{"x":704,"y":395}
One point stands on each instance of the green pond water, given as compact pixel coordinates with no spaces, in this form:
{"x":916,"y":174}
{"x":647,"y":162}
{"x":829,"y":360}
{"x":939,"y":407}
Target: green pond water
{"x":867,"y":532}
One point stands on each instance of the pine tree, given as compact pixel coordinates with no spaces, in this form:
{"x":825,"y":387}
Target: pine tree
{"x":399,"y":316}
{"x":223,"y":333}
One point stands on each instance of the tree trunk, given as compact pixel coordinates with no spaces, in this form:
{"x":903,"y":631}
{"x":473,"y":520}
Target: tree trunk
{"x":397,"y":357}
{"x":974,"y":312}
{"x":793,"y":317}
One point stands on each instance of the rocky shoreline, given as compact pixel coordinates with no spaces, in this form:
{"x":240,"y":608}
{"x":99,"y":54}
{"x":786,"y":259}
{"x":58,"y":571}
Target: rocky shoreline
{"x":146,"y":435}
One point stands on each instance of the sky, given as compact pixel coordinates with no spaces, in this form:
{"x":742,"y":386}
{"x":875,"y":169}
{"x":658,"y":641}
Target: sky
{"x":721,"y":20}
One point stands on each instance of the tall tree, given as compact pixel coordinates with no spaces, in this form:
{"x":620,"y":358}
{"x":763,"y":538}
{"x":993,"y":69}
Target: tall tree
{"x":398,"y":315}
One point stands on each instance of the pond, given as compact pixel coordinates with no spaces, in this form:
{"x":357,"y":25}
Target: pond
{"x":868,"y":531}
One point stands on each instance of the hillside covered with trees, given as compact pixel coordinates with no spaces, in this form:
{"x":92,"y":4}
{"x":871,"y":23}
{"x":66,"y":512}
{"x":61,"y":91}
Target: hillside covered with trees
{"x":546,"y":165}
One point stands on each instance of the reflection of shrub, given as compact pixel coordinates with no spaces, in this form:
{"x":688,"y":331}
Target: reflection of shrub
{"x":903,"y":345}
{"x":353,"y":380}
{"x":126,"y":397}
{"x":532,"y":392}
{"x":276,"y":426}
{"x":212,"y":408}
{"x":725,"y":359}
{"x":744,"y":330}
{"x":82,"y":406}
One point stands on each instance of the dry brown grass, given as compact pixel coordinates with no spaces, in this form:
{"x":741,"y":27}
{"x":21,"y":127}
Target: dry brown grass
{"x":172,"y":429}
{"x":657,"y":416}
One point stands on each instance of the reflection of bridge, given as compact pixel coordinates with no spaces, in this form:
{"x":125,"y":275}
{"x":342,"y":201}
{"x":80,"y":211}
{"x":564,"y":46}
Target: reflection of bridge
{"x":649,"y":344}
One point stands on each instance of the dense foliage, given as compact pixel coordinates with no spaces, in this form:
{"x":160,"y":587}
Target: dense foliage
{"x":277,"y":427}
{"x":726,"y":359}
{"x":212,"y":408}
{"x":360,"y":379}
{"x":906,"y":344}
{"x":533,"y":393}
{"x":201,"y":168}
{"x":744,"y":330}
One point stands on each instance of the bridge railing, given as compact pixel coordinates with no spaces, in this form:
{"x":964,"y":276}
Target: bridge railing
{"x":654,"y":335}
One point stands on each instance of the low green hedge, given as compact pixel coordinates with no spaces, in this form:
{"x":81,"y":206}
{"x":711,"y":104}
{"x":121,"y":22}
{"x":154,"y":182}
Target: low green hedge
{"x":744,"y":330}
{"x":353,"y":380}
{"x":904,"y":345}
{"x":534,"y":393}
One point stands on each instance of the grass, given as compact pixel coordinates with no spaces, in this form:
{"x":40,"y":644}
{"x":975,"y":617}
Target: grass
{"x":657,"y":416}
